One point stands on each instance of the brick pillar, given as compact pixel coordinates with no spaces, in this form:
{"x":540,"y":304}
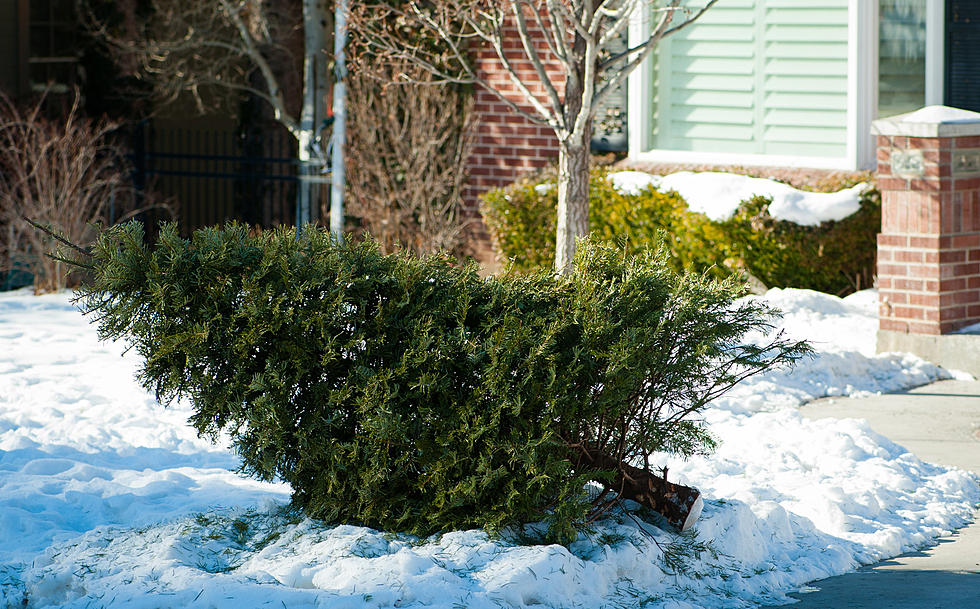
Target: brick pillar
{"x":929,"y":246}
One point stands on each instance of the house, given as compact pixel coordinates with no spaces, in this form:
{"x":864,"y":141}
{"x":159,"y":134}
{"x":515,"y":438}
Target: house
{"x":781,"y":83}
{"x":232,"y":163}
{"x":797,"y":83}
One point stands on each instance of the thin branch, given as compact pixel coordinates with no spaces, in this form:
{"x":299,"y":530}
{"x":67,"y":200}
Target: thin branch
{"x":58,"y":238}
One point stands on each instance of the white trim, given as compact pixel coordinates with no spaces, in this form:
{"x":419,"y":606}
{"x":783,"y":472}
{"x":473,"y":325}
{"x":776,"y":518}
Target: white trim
{"x":639,"y":115}
{"x":935,"y":51}
{"x":862,"y":104}
{"x":862,"y":82}
{"x":687,"y":157}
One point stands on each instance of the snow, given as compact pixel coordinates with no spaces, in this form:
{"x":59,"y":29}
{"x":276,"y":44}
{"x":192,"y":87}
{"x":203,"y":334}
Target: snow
{"x":941,"y":115}
{"x":108,"y":499}
{"x":971,"y":329}
{"x":718,"y":195}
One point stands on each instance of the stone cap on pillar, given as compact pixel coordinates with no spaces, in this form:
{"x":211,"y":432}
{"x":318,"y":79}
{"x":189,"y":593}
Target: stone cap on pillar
{"x":931,"y":121}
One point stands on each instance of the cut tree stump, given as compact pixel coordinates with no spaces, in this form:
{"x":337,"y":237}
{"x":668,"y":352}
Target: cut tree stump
{"x":680,"y":505}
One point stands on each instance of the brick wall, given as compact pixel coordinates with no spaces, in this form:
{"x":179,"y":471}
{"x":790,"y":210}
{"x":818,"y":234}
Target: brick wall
{"x":929,"y":246}
{"x":506,"y":144}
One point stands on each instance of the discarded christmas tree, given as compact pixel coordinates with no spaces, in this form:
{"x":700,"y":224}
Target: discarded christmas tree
{"x":411,"y":395}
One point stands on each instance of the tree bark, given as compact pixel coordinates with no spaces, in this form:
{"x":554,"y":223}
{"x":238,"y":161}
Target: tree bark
{"x":573,"y":202}
{"x":680,"y":505}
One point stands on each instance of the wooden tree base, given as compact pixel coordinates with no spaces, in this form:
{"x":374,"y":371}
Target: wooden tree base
{"x":680,"y":505}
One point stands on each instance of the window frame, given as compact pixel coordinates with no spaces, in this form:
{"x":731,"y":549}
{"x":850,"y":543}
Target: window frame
{"x":862,"y":98}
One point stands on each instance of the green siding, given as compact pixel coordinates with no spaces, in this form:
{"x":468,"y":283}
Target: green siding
{"x":756,"y":77}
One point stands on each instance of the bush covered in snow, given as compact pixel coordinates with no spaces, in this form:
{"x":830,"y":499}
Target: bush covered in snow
{"x":835,"y":256}
{"x":411,"y":395}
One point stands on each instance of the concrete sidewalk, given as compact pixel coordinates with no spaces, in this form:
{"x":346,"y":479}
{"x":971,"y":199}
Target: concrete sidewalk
{"x":940,"y":423}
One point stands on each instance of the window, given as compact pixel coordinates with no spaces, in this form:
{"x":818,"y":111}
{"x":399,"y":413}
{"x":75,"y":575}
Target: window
{"x":901,"y":56}
{"x":52,"y":46}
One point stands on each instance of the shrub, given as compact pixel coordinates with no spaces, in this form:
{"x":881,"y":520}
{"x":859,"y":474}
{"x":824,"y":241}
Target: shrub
{"x":69,"y":174}
{"x":407,"y":147}
{"x":411,"y":395}
{"x":521,"y":219}
{"x":836,"y":257}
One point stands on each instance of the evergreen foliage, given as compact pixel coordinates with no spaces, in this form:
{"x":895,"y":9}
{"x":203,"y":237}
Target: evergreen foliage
{"x":835,"y":257}
{"x":411,"y":395}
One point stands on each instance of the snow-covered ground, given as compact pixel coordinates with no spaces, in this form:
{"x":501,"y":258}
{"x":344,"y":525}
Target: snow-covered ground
{"x":109,"y":500}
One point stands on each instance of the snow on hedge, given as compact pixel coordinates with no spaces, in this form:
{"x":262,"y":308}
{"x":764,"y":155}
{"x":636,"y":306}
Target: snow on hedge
{"x":718,"y":194}
{"x":107,"y":499}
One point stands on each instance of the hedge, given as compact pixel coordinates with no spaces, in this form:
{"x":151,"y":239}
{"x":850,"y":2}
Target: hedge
{"x":836,"y":256}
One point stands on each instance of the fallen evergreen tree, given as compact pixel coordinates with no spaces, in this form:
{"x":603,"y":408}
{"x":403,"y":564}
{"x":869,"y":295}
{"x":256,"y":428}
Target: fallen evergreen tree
{"x":411,"y":395}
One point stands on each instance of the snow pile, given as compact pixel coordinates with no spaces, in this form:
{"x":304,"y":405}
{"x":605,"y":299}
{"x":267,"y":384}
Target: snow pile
{"x":107,"y":499}
{"x":717,"y":195}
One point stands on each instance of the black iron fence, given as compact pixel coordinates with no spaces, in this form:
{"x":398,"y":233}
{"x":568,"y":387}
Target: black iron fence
{"x":214,"y":172}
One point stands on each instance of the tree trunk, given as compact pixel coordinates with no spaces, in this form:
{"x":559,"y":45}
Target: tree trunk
{"x":573,"y":201}
{"x":680,"y":505}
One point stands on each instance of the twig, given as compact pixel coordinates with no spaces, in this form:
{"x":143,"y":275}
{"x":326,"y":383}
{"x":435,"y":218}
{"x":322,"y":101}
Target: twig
{"x":59,"y":238}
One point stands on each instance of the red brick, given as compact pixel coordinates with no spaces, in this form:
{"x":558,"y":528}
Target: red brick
{"x":961,"y":143}
{"x":932,"y":157}
{"x":909,"y":256}
{"x":892,"y":183}
{"x":952,"y":285}
{"x":961,"y":184}
{"x":893,"y":325}
{"x":895,"y":270}
{"x":946,"y":256}
{"x":966,"y":241}
{"x":928,"y":243}
{"x":968,"y":268}
{"x":930,"y":185}
{"x":893,"y":297}
{"x":921,"y":327}
{"x":952,"y":313}
{"x":928,"y":271}
{"x":907,"y":312}
{"x":924,"y":300}
{"x":920,"y":143}
{"x":915,"y":285}
{"x":885,"y":240}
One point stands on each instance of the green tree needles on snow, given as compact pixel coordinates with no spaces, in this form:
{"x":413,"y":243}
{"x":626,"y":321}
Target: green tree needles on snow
{"x":411,"y":395}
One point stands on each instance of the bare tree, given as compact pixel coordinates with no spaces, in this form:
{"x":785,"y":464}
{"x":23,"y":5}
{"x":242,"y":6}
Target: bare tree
{"x":69,"y":175}
{"x":407,"y":145}
{"x":206,"y":46}
{"x":530,"y":39}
